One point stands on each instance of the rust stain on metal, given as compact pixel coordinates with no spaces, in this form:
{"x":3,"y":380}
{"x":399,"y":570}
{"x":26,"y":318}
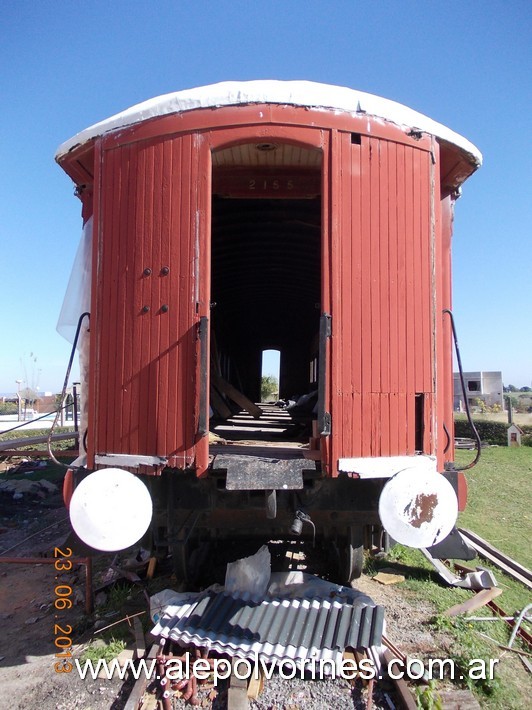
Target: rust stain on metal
{"x":421,"y":509}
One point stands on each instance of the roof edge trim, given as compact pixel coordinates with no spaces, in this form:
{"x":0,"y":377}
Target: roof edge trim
{"x":296,"y":93}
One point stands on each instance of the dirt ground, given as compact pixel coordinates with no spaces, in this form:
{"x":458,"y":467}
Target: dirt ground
{"x":28,"y":617}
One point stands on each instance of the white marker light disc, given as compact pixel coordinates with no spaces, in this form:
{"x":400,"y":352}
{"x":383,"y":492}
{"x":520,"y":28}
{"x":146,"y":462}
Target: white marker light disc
{"x":418,"y":508}
{"x":111,"y":509}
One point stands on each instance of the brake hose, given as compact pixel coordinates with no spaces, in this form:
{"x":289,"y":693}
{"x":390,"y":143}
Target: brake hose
{"x":63,"y":393}
{"x":466,"y":402}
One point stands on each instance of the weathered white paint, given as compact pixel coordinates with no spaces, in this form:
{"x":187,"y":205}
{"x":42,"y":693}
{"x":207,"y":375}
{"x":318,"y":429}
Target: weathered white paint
{"x":387,"y":466}
{"x":295,"y":93}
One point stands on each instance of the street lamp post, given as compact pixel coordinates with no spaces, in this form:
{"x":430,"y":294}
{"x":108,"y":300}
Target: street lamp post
{"x":19,"y":408}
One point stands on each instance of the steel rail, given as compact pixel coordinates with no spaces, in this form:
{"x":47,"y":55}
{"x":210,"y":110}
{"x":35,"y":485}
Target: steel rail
{"x":12,"y":444}
{"x":505,"y":563}
{"x":406,"y":698}
{"x":521,"y":632}
{"x":134,"y":701}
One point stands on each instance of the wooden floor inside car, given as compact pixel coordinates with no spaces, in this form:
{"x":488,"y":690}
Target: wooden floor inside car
{"x":273,"y":435}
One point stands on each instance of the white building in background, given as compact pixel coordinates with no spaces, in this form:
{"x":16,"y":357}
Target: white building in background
{"x":486,"y":386}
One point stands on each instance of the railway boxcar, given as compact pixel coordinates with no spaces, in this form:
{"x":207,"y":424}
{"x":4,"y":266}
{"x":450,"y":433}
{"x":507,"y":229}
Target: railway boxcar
{"x":235,"y":218}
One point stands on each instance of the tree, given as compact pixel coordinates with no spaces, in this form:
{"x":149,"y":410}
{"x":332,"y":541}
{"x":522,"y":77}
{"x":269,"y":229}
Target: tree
{"x":514,"y":401}
{"x":8,"y":408}
{"x":29,"y":395}
{"x":268,"y":386}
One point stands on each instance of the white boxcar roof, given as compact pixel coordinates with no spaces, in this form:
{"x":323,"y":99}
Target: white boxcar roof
{"x":295,"y":93}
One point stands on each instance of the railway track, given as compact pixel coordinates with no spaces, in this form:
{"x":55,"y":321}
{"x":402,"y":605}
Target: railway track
{"x":399,"y":693}
{"x":498,"y":558}
{"x":264,"y":689}
{"x":310,"y":694}
{"x":379,"y":693}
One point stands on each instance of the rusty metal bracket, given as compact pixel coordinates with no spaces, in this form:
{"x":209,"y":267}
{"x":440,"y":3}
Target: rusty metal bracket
{"x":203,"y":420}
{"x":324,"y":417}
{"x":479,"y":579}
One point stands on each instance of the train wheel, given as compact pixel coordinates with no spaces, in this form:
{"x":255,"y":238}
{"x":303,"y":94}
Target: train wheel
{"x":182,"y":538}
{"x":182,"y":551}
{"x":351,"y":553}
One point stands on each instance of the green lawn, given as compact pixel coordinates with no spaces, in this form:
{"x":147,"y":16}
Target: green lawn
{"x":499,"y":501}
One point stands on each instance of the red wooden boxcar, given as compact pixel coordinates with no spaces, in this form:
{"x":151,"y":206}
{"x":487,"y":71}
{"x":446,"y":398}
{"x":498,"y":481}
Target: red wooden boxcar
{"x":239,"y":217}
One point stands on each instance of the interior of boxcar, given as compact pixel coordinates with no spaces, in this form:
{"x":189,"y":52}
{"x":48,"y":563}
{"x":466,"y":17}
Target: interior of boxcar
{"x":266,"y":236}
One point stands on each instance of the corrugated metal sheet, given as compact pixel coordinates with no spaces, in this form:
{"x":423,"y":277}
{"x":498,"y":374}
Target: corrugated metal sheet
{"x":273,"y":629}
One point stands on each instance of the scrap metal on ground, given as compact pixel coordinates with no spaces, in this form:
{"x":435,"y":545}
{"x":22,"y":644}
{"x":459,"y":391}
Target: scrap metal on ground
{"x":498,"y":558}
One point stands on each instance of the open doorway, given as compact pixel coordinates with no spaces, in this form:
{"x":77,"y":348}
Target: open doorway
{"x":266,"y":237}
{"x":271,"y":365}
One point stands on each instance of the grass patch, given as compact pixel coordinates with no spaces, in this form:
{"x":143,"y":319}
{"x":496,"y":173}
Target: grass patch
{"x":119,"y":598}
{"x":52,"y":472}
{"x":422,"y":578}
{"x":468,"y":639}
{"x":123,"y":599}
{"x":107,"y":650}
{"x":498,"y":506}
{"x":427,"y":697}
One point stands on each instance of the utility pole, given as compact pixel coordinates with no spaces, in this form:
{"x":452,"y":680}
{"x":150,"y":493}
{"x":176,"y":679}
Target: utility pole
{"x":19,"y":408}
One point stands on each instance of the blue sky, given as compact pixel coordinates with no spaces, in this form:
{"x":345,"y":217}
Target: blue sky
{"x":66,"y":65}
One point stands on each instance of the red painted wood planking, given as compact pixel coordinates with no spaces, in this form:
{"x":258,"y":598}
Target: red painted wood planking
{"x":385,"y":256}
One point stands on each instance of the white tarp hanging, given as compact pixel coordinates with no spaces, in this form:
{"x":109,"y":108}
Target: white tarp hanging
{"x":77,"y":298}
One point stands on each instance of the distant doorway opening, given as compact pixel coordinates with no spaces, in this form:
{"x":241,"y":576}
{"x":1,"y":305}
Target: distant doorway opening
{"x":266,"y":266}
{"x":271,"y":367}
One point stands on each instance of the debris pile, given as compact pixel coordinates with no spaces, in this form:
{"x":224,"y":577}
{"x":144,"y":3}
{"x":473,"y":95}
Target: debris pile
{"x":264,"y":620}
{"x":17,"y":489}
